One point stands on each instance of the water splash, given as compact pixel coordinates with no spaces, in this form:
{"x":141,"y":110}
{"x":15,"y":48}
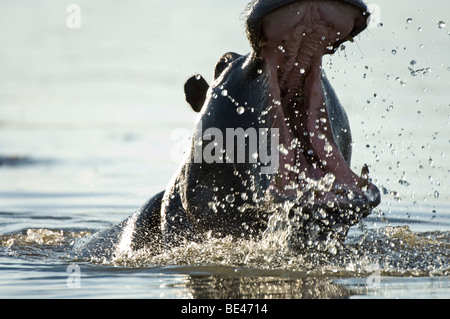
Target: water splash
{"x":42,"y":243}
{"x":294,"y":240}
{"x":40,"y":237}
{"x":395,"y":251}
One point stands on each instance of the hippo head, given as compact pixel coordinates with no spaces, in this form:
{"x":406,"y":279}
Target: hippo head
{"x":271,"y":137}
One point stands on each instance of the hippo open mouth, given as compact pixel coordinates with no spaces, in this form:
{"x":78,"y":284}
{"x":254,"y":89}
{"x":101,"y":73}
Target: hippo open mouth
{"x":292,"y":41}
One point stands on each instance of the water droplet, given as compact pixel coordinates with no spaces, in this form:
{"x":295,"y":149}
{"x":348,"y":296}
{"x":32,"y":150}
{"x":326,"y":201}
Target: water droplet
{"x":419,"y":29}
{"x":230,"y":198}
{"x":402,"y":82}
{"x":394,"y":52}
{"x":436,"y":194}
{"x":283,"y":149}
{"x":332,"y":250}
{"x":302,"y":71}
{"x":281,"y":48}
{"x":441,"y":24}
{"x":409,"y":20}
{"x":328,"y":147}
{"x":327,"y":182}
{"x":224,"y":93}
{"x":260,"y":71}
{"x":244,"y":196}
{"x":240,"y":110}
{"x":413,"y":62}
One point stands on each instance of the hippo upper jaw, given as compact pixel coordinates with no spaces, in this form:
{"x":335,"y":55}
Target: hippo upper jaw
{"x":258,"y":10}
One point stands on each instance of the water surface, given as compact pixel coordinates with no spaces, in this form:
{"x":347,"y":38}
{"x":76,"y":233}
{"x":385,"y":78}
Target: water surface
{"x":91,"y":121}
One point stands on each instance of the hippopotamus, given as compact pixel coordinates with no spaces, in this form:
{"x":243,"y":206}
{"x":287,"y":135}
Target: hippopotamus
{"x":271,"y":138}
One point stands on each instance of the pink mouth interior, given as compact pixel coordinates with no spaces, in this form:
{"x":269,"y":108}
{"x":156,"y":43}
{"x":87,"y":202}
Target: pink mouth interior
{"x":294,"y":39}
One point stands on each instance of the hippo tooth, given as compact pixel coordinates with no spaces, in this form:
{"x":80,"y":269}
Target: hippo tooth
{"x":364,"y":178}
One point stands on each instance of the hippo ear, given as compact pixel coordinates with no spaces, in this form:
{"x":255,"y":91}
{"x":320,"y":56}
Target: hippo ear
{"x":195,"y":90}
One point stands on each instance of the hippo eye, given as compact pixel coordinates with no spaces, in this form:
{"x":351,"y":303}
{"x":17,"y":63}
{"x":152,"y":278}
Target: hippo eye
{"x":221,"y":66}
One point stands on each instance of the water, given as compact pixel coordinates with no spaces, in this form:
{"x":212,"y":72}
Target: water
{"x":91,"y":121}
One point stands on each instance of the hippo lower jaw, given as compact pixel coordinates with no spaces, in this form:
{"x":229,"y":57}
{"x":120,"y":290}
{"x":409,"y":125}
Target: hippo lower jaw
{"x":312,"y":168}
